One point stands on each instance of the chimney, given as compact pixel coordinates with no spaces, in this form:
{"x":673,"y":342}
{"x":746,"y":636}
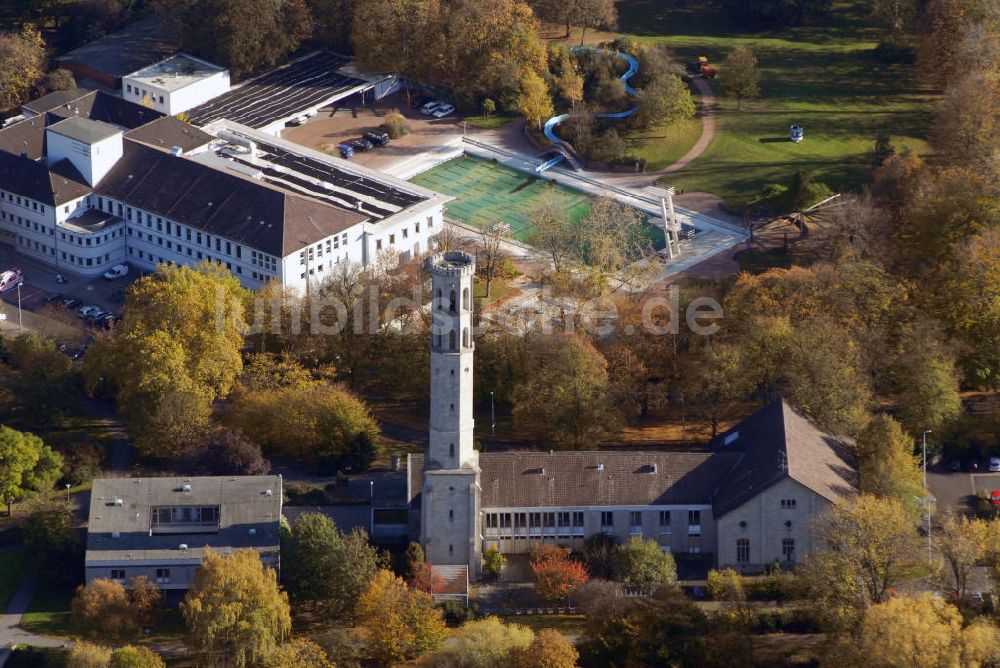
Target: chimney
{"x":176,"y":151}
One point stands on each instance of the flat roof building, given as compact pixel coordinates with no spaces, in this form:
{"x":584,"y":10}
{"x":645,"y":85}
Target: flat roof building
{"x":175,"y":84}
{"x":162,"y":527}
{"x":108,"y":59}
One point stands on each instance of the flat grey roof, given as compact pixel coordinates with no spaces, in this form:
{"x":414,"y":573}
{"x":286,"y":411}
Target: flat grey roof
{"x":84,"y":129}
{"x":248,"y":517}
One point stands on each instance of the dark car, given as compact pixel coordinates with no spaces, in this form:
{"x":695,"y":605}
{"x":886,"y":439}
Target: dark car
{"x":955,"y":465}
{"x":377,"y":137}
{"x":108,"y":320}
{"x":70,"y":303}
{"x":420,"y":100}
{"x":53,"y":298}
{"x":362,"y":145}
{"x":95,"y":316}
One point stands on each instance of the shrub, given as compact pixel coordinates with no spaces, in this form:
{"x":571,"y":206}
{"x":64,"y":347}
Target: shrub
{"x":456,"y":613}
{"x":306,"y":495}
{"x":395,"y":125}
{"x":725,"y":585}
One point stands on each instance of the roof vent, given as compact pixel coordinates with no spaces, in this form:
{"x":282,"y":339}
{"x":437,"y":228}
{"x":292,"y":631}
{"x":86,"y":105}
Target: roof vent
{"x":600,"y":467}
{"x":268,"y":492}
{"x":182,"y":546}
{"x":185,"y":487}
{"x":731,"y":438}
{"x":119,"y":502}
{"x":176,"y":151}
{"x":252,"y":532}
{"x":359,"y":205}
{"x":116,"y":534}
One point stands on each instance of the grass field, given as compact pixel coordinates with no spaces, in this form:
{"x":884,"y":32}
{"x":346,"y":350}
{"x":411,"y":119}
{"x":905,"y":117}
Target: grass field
{"x":824,"y":77}
{"x":48,"y":613}
{"x":489,"y":193}
{"x":664,"y":146}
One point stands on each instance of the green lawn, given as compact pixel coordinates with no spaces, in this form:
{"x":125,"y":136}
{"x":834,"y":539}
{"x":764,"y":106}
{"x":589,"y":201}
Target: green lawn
{"x":11,"y":571}
{"x":48,"y":613}
{"x":494,"y":121}
{"x":663,"y":146}
{"x":823,"y":77}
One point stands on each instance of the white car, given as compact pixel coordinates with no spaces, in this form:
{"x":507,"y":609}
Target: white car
{"x":442,"y":111}
{"x":429,"y":108}
{"x":994,"y":464}
{"x":797,"y":134}
{"x":116,"y":272}
{"x":84,"y":311}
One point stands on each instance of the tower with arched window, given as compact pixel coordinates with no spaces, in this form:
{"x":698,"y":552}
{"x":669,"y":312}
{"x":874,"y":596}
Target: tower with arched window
{"x":450,"y":531}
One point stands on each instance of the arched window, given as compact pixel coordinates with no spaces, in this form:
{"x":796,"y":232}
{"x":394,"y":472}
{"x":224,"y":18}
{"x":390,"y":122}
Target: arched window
{"x":452,"y":343}
{"x":439,"y":300}
{"x":451,"y":449}
{"x":454,"y":305}
{"x":465,"y":299}
{"x":743,"y":550}
{"x":465,"y":337}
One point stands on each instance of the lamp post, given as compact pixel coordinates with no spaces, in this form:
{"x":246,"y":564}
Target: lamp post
{"x":371,"y":505}
{"x":19,"y":328}
{"x":493,"y":416}
{"x":927,"y":505}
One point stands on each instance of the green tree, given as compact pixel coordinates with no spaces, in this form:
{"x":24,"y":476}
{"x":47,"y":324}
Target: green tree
{"x":176,"y":351}
{"x":45,"y":384}
{"x":484,"y":643}
{"x":534,"y":100}
{"x":236,"y":608}
{"x":489,"y":107}
{"x":26,"y":466}
{"x":493,"y":561}
{"x":925,"y":380}
{"x":324,"y":568}
{"x":962,"y":543}
{"x":886,"y":464}
{"x":664,"y":101}
{"x":131,"y":656}
{"x":568,"y":392}
{"x":740,"y":75}
{"x":52,"y":544}
{"x":641,"y":564}
{"x":401,"y":623}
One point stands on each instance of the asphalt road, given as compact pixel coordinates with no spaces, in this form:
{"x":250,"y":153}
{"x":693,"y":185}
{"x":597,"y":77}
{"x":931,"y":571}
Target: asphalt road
{"x":955,"y":491}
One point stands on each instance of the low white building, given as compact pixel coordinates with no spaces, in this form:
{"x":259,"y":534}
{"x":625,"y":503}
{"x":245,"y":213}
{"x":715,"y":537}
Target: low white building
{"x":175,"y":84}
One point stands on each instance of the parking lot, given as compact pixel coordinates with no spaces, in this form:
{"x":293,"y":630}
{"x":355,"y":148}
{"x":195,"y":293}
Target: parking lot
{"x":955,"y":491}
{"x":328,"y":129}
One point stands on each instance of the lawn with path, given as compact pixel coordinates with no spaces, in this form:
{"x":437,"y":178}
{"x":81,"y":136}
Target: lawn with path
{"x":824,"y":77}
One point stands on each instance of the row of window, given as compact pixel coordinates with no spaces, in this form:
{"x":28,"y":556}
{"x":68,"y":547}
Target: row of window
{"x":574,"y":518}
{"x":34,"y":245}
{"x":27,"y":224}
{"x":25,"y":202}
{"x":85,"y":261}
{"x":743,"y":550}
{"x":162,"y":575}
{"x":88,"y":241}
{"x":317,"y":251}
{"x":153,"y":259}
{"x":142,"y":92}
{"x":405,"y":233}
{"x":185,"y":515}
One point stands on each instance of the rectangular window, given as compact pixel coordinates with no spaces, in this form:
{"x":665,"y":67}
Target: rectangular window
{"x":504,"y":520}
{"x":635,"y":519}
{"x":788,"y":549}
{"x":378,"y":244}
{"x":549,"y":520}
{"x":788,"y":504}
{"x":694,"y":522}
{"x":578,"y":519}
{"x":534,"y":520}
{"x":607,"y":519}
{"x":491,"y":520}
{"x":743,"y":551}
{"x":563,"y":519}
{"x":117,"y":573}
{"x":162,"y":576}
{"x":665,"y":521}
{"x":392,"y":239}
{"x":430,"y":221}
{"x":520,"y":520}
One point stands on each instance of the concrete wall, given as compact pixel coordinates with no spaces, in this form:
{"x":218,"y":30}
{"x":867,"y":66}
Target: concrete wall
{"x":765,"y":526}
{"x":450,"y":518}
{"x":93,"y":160}
{"x":174,"y":102}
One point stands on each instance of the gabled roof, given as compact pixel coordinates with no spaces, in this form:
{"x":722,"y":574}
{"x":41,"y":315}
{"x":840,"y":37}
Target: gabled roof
{"x":168,"y":132}
{"x":54,"y":99}
{"x":779,"y":442}
{"x":221,"y":202}
{"x":54,"y":185}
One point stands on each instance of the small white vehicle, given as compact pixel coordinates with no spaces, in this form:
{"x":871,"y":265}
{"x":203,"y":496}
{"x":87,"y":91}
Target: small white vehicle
{"x":994,"y":465}
{"x":84,"y":311}
{"x":116,"y":272}
{"x":797,"y":134}
{"x":442,"y":111}
{"x":430,"y":107}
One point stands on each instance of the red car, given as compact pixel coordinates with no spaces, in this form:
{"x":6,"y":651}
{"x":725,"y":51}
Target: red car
{"x":995,"y":497}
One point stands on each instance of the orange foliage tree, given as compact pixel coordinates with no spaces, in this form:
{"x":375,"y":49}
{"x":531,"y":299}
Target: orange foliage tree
{"x":556,"y":575}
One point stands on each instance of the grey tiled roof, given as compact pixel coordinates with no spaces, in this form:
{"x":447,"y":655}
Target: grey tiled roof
{"x":61,"y":182}
{"x":123,"y":532}
{"x":54,"y":99}
{"x":777,"y":442}
{"x":168,"y":132}
{"x":86,"y":130}
{"x":135,"y":46}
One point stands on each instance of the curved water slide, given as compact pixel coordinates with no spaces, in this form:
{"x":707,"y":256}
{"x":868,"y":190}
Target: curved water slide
{"x":549,"y":128}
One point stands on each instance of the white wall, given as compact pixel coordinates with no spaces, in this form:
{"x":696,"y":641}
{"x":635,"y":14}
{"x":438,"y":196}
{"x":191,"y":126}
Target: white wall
{"x":93,"y":160}
{"x":176,"y":101}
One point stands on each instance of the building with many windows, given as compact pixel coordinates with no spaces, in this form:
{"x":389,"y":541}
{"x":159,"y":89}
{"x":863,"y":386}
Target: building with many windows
{"x":101,"y":181}
{"x":161,"y":527}
{"x":747,"y":501}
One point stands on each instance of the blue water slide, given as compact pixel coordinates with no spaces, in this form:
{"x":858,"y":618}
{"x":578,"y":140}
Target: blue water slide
{"x":550,"y":163}
{"x":633,"y":67}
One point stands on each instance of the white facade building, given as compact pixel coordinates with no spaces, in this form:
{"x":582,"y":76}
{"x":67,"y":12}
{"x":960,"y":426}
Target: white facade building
{"x":175,"y":84}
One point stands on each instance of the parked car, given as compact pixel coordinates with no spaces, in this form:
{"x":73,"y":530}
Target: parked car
{"x":54,"y":297}
{"x":116,"y":272}
{"x":108,"y":320}
{"x":995,"y":497}
{"x":84,"y":311}
{"x":797,"y":134}
{"x":442,"y":111}
{"x":377,"y":137}
{"x":994,"y":465}
{"x":419,"y":101}
{"x":298,"y":120}
{"x":10,"y":279}
{"x":346,"y":151}
{"x":429,"y":108}
{"x":955,"y":464}
{"x":70,"y":303}
{"x":362,"y":145}
{"x":94,"y":316}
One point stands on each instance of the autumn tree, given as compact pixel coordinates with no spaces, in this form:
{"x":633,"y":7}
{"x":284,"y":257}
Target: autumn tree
{"x":493,"y":561}
{"x":60,"y":79}
{"x":967,"y":121}
{"x":298,"y":653}
{"x":131,"y":656}
{"x":176,"y":351}
{"x":236,"y":608}
{"x":243,"y":35}
{"x":490,"y":255}
{"x":401,"y":623}
{"x":22,"y":64}
{"x":896,"y":18}
{"x":100,"y":609}
{"x":27,"y":466}
{"x":613,"y":242}
{"x":553,"y":233}
{"x":549,"y":649}
{"x":962,"y":543}
{"x":641,"y":564}
{"x":567,"y":392}
{"x":556,"y":575}
{"x":88,"y":655}
{"x":663,"y":102}
{"x":484,"y":643}
{"x":887,"y":466}
{"x":923,"y":632}
{"x":740,"y":75}
{"x":534,"y":99}
{"x":925,"y":380}
{"x":870,"y":542}
{"x":324,"y":568}
{"x":584,"y":14}
{"x":716,"y":383}
{"x":332,"y":20}
{"x":227,"y":452}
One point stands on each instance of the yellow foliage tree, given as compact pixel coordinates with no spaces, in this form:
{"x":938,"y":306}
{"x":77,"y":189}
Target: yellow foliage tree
{"x":299,"y":653}
{"x":401,"y":623}
{"x":22,"y":64}
{"x":549,"y":649}
{"x":88,"y":655}
{"x":534,"y":100}
{"x":236,"y":609}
